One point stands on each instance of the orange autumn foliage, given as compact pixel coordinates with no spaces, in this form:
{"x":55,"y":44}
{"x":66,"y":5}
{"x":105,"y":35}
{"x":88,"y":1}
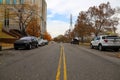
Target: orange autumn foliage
{"x":47,"y":36}
{"x":33,"y":29}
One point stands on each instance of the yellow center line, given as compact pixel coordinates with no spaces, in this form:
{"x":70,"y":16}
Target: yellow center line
{"x":65,"y":68}
{"x":62,"y":56}
{"x":59,"y":66}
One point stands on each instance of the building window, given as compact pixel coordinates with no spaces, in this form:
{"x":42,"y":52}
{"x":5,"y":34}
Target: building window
{"x":1,"y":1}
{"x":21,"y":1}
{"x":7,"y":1}
{"x":14,"y":1}
{"x":11,"y":1}
{"x":6,"y":21}
{"x":33,"y":1}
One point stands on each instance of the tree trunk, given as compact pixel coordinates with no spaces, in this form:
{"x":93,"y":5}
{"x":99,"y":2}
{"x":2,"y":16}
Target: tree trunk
{"x":82,"y":39}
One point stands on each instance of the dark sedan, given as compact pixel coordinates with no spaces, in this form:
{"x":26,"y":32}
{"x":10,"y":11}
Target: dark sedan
{"x":75,"y":41}
{"x":26,"y":43}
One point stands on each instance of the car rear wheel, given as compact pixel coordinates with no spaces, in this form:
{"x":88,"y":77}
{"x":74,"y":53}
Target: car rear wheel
{"x":100,"y":47}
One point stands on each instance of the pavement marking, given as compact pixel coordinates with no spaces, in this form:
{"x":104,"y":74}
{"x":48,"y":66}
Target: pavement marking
{"x":62,"y":57}
{"x":59,"y":66}
{"x":65,"y":68}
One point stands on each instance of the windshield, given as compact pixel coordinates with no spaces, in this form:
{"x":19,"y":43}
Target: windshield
{"x":112,"y":37}
{"x":25,"y":38}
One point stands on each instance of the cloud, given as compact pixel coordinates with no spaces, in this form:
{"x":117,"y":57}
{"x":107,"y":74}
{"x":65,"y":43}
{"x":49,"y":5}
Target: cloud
{"x":67,"y":7}
{"x":74,"y":6}
{"x":57,"y":27}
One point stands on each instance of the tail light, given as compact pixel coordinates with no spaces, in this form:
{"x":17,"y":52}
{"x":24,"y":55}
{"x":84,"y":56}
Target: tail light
{"x":106,"y":40}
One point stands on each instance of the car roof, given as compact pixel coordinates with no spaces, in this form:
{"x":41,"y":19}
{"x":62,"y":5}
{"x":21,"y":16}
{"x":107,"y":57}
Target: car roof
{"x":27,"y":37}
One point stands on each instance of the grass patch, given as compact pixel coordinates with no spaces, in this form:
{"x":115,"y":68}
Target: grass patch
{"x":84,"y":44}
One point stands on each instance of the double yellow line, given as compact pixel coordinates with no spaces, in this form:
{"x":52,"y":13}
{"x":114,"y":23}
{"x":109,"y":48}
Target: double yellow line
{"x":62,"y":58}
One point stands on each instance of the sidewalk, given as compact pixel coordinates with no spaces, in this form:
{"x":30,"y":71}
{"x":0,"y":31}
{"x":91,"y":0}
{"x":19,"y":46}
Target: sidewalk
{"x":6,"y":48}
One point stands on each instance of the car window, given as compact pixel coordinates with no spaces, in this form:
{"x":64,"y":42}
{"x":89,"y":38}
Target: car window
{"x":25,"y":38}
{"x":98,"y":38}
{"x":94,"y":39}
{"x":112,"y":37}
{"x":33,"y":39}
{"x":103,"y":37}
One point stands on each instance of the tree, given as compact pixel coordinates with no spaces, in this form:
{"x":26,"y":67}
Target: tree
{"x":69,"y":35}
{"x":82,"y":27}
{"x":61,"y":38}
{"x":47,"y":36}
{"x":100,"y":17}
{"x":23,"y":14}
{"x":33,"y":28}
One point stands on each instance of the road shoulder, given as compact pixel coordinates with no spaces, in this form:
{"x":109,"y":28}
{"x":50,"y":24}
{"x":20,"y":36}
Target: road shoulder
{"x":104,"y":54}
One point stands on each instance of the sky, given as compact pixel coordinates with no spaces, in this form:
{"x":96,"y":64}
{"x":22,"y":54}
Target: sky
{"x":58,"y":13}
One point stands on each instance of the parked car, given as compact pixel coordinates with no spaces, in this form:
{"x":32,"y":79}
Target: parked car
{"x":26,"y":43}
{"x":106,"y":42}
{"x":75,"y":41}
{"x":41,"y":42}
{"x":45,"y":42}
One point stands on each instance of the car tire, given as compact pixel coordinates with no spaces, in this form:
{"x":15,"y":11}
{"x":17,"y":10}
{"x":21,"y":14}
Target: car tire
{"x":91,"y":46}
{"x":100,"y":47}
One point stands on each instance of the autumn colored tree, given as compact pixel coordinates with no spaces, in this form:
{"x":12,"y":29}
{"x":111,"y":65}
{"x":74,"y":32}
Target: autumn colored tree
{"x":23,"y":14}
{"x":33,"y":28}
{"x":82,"y":27}
{"x":100,"y":17}
{"x":47,"y":36}
{"x":69,"y":35}
{"x":61,"y":38}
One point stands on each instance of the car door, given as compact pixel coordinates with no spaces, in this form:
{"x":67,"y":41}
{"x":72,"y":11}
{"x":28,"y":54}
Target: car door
{"x":95,"y":41}
{"x":33,"y":41}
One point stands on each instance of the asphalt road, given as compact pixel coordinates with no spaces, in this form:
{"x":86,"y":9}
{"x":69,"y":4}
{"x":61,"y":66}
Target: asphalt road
{"x":58,"y":62}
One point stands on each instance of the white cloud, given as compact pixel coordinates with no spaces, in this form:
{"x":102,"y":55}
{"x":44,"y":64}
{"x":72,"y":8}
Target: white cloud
{"x":67,"y":7}
{"x":57,"y":27}
{"x":75,"y":6}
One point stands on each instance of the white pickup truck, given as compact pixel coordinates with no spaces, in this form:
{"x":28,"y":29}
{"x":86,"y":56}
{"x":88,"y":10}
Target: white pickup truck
{"x":106,"y":42}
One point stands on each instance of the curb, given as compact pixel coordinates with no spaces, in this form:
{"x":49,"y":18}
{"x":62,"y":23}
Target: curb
{"x":6,"y":48}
